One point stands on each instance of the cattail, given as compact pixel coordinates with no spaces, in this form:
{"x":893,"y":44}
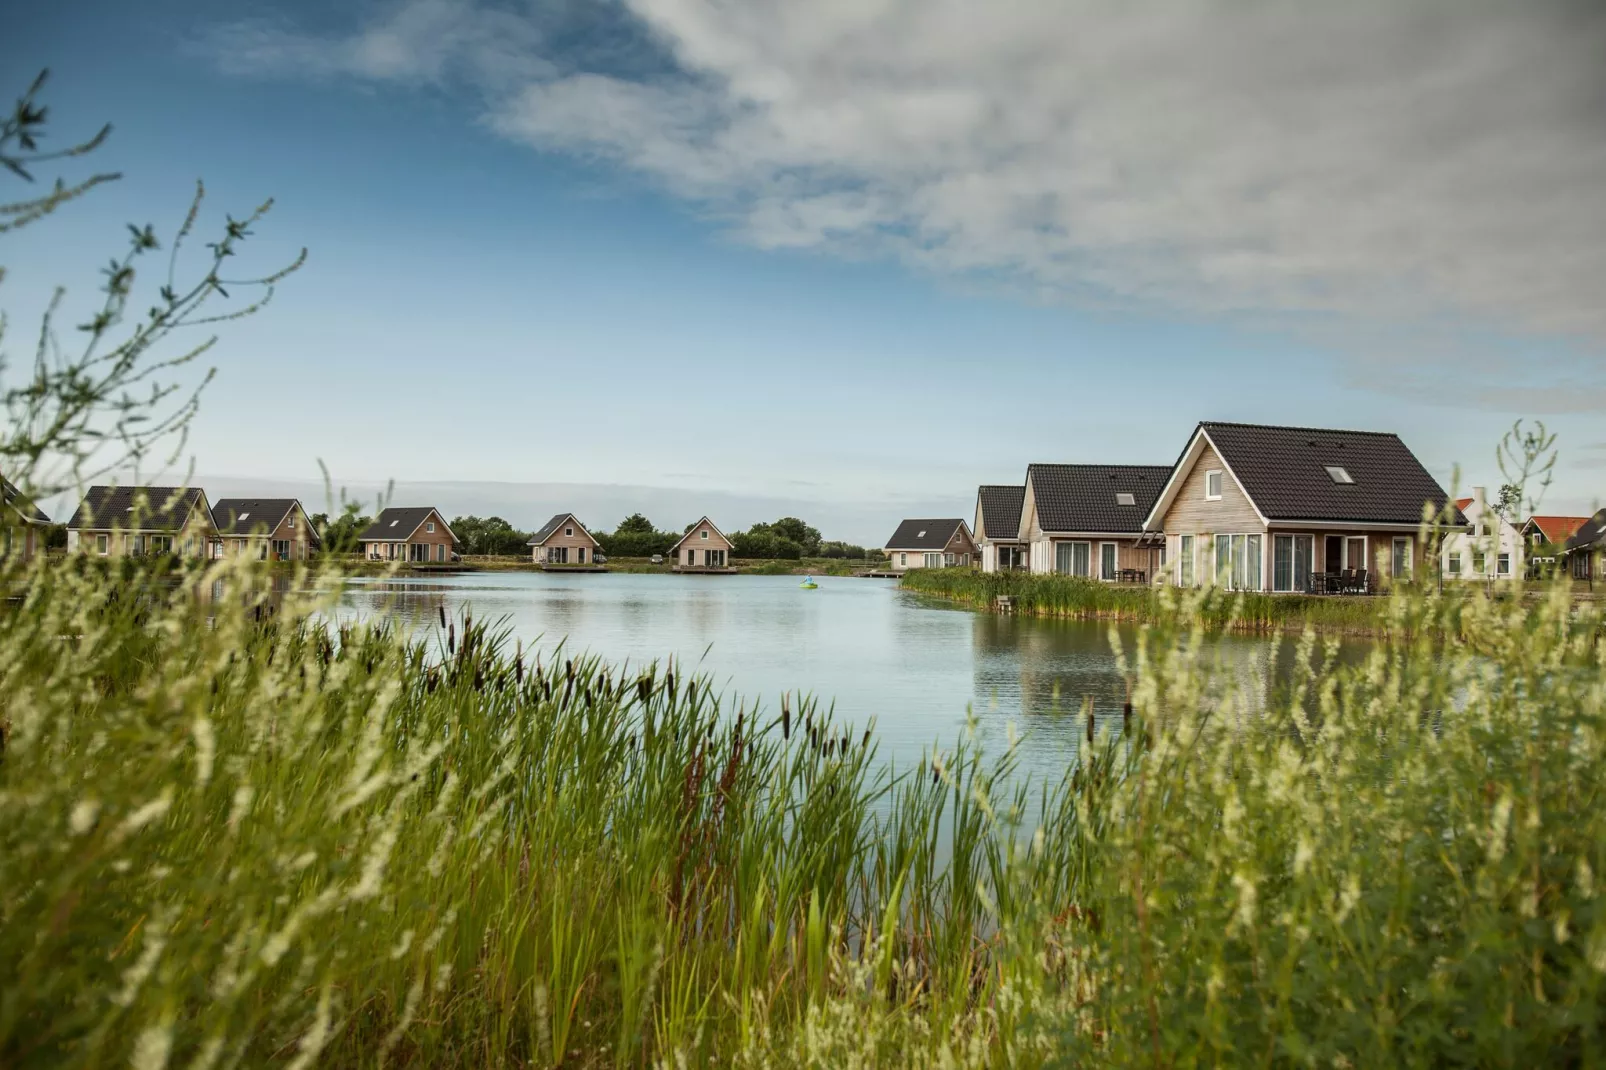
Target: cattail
{"x":518,"y":662}
{"x":451,"y":638}
{"x":643,"y":689}
{"x":442,"y":608}
{"x":786,"y":720}
{"x":1089,"y":707}
{"x":866,"y":743}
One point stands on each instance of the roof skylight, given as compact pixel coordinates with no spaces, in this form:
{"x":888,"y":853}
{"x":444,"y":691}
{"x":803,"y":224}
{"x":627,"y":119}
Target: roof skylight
{"x":922,"y":534}
{"x":1339,"y":474}
{"x":1123,"y":498}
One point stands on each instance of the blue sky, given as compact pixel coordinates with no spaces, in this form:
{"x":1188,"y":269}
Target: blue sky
{"x":837,"y":264}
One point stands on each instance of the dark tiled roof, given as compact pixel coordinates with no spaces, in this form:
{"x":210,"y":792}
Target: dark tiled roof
{"x":256,"y":516}
{"x":923,"y":534}
{"x":1084,"y":497}
{"x":1284,"y":471}
{"x":1000,"y":511}
{"x":160,"y":508}
{"x":397,"y":523}
{"x":14,"y":498}
{"x":1591,"y":535}
{"x":552,"y":525}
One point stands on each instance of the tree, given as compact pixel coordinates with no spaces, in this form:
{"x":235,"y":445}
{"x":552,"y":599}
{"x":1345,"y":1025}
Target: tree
{"x":1509,"y":504}
{"x":83,"y":411}
{"x":490,"y":536}
{"x":634,"y":524}
{"x":794,"y":530}
{"x":340,"y":534}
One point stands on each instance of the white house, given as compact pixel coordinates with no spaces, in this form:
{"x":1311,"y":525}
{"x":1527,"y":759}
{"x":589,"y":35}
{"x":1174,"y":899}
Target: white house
{"x":1491,"y":548}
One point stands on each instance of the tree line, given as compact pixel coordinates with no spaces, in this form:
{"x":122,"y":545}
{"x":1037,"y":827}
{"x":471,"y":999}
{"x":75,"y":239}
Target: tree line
{"x":788,"y":538}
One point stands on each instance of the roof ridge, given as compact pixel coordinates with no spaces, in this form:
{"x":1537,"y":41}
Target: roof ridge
{"x":1297,"y":427}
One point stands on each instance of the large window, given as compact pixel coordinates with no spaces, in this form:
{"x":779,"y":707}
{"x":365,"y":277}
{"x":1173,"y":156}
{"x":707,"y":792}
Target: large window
{"x":1400,"y":558}
{"x":1072,"y":558}
{"x":1238,"y":562}
{"x":1107,"y":561}
{"x":1185,"y":565}
{"x":559,"y":555}
{"x":933,"y":560}
{"x":281,"y":549}
{"x":1291,"y":562}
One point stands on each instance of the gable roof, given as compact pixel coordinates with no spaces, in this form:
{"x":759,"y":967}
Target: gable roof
{"x":925,"y":534}
{"x":693,"y":528}
{"x":245,"y":516}
{"x":1592,"y":535}
{"x":1084,"y":498}
{"x":551,"y":526}
{"x":159,"y":508}
{"x":998,"y":510}
{"x":1556,"y":529}
{"x":24,"y":507}
{"x":398,"y":523}
{"x":1283,"y":473}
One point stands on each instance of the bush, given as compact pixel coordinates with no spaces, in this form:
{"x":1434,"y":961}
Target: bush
{"x":761,"y":545}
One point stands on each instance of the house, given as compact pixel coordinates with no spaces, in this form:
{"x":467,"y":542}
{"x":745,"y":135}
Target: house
{"x":931,"y":544}
{"x":267,"y":529}
{"x":704,"y":548}
{"x":1256,"y":508}
{"x":1586,"y":548}
{"x":1087,"y":520}
{"x":1549,"y":534}
{"x":412,"y":533}
{"x":143,"y":521}
{"x":22,"y":523}
{"x":1490,"y":549}
{"x":563,"y":540}
{"x":998,"y":528}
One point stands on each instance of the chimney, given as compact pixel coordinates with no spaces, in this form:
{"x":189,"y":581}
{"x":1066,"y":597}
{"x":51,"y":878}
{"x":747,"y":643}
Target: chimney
{"x":1481,"y":496}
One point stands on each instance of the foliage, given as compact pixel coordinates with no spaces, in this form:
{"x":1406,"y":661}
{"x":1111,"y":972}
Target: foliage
{"x":636,"y":542}
{"x":760,"y":543}
{"x":340,"y":534}
{"x":490,"y":535}
{"x":843,"y":550}
{"x":1078,"y":598}
{"x":635,"y":524}
{"x":1527,"y":459}
{"x":82,"y":412}
{"x":344,"y":844}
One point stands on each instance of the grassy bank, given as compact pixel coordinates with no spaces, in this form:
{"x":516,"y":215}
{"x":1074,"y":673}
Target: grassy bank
{"x":813,"y":566}
{"x":1081,"y":599}
{"x":264,"y":839}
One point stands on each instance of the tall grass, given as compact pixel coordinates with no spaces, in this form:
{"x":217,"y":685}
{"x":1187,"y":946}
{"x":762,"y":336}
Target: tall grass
{"x":1077,"y":598}
{"x":239,"y":832}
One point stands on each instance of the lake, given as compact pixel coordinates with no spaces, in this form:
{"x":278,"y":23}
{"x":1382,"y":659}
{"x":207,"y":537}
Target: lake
{"x":914,"y":665}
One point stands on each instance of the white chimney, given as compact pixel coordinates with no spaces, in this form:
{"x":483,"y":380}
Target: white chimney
{"x":1481,"y":496}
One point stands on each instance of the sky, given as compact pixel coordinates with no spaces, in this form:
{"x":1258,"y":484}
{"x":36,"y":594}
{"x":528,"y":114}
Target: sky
{"x":842,"y":259}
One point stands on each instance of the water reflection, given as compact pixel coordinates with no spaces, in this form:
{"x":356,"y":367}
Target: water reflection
{"x":917,"y":667}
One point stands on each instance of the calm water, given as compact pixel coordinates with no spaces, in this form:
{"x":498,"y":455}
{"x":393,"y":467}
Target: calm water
{"x":913,"y":665}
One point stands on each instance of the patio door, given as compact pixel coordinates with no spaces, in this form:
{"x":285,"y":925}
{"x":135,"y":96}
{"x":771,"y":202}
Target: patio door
{"x":1355,"y":552}
{"x":1333,"y":559}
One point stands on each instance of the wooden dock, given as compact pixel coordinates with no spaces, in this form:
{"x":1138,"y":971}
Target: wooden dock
{"x":881,"y":574}
{"x":571,"y":568}
{"x":695,"y":570}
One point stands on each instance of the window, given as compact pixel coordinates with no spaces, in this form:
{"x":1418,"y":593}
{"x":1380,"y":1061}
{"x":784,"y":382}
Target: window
{"x":1238,"y":564}
{"x":1478,"y":562}
{"x":440,"y":551}
{"x":1223,"y":560}
{"x":292,"y":521}
{"x":1107,"y":561}
{"x":580,"y":554}
{"x":1454,"y":561}
{"x":1338,"y":474}
{"x":557,"y":555}
{"x":1400,"y":559}
{"x":1503,"y":564}
{"x":933,"y":560}
{"x":568,"y":532}
{"x":429,"y":526}
{"x":281,"y":549}
{"x":1072,"y":558}
{"x":1124,"y":498}
{"x":1185,"y":565}
{"x":1213,"y":486}
{"x":903,"y":559}
{"x":1291,"y":562}
{"x":949,"y":560}
{"x":703,"y":534}
{"x":102,"y":545}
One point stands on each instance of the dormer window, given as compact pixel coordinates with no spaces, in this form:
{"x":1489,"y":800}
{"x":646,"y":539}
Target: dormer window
{"x":1339,"y":474}
{"x":1124,"y":498}
{"x":1213,"y":485}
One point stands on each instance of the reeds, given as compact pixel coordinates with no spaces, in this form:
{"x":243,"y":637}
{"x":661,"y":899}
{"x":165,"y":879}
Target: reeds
{"x":233,"y":838}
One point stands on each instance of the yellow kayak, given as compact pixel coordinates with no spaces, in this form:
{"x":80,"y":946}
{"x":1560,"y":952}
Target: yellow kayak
{"x":809,"y":585}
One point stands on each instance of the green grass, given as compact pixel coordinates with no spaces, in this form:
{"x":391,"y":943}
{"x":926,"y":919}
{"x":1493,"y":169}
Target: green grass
{"x":1083,"y":599}
{"x":233,"y":832}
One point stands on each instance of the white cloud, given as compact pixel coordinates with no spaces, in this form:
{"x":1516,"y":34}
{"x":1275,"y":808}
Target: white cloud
{"x":1372,"y":161}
